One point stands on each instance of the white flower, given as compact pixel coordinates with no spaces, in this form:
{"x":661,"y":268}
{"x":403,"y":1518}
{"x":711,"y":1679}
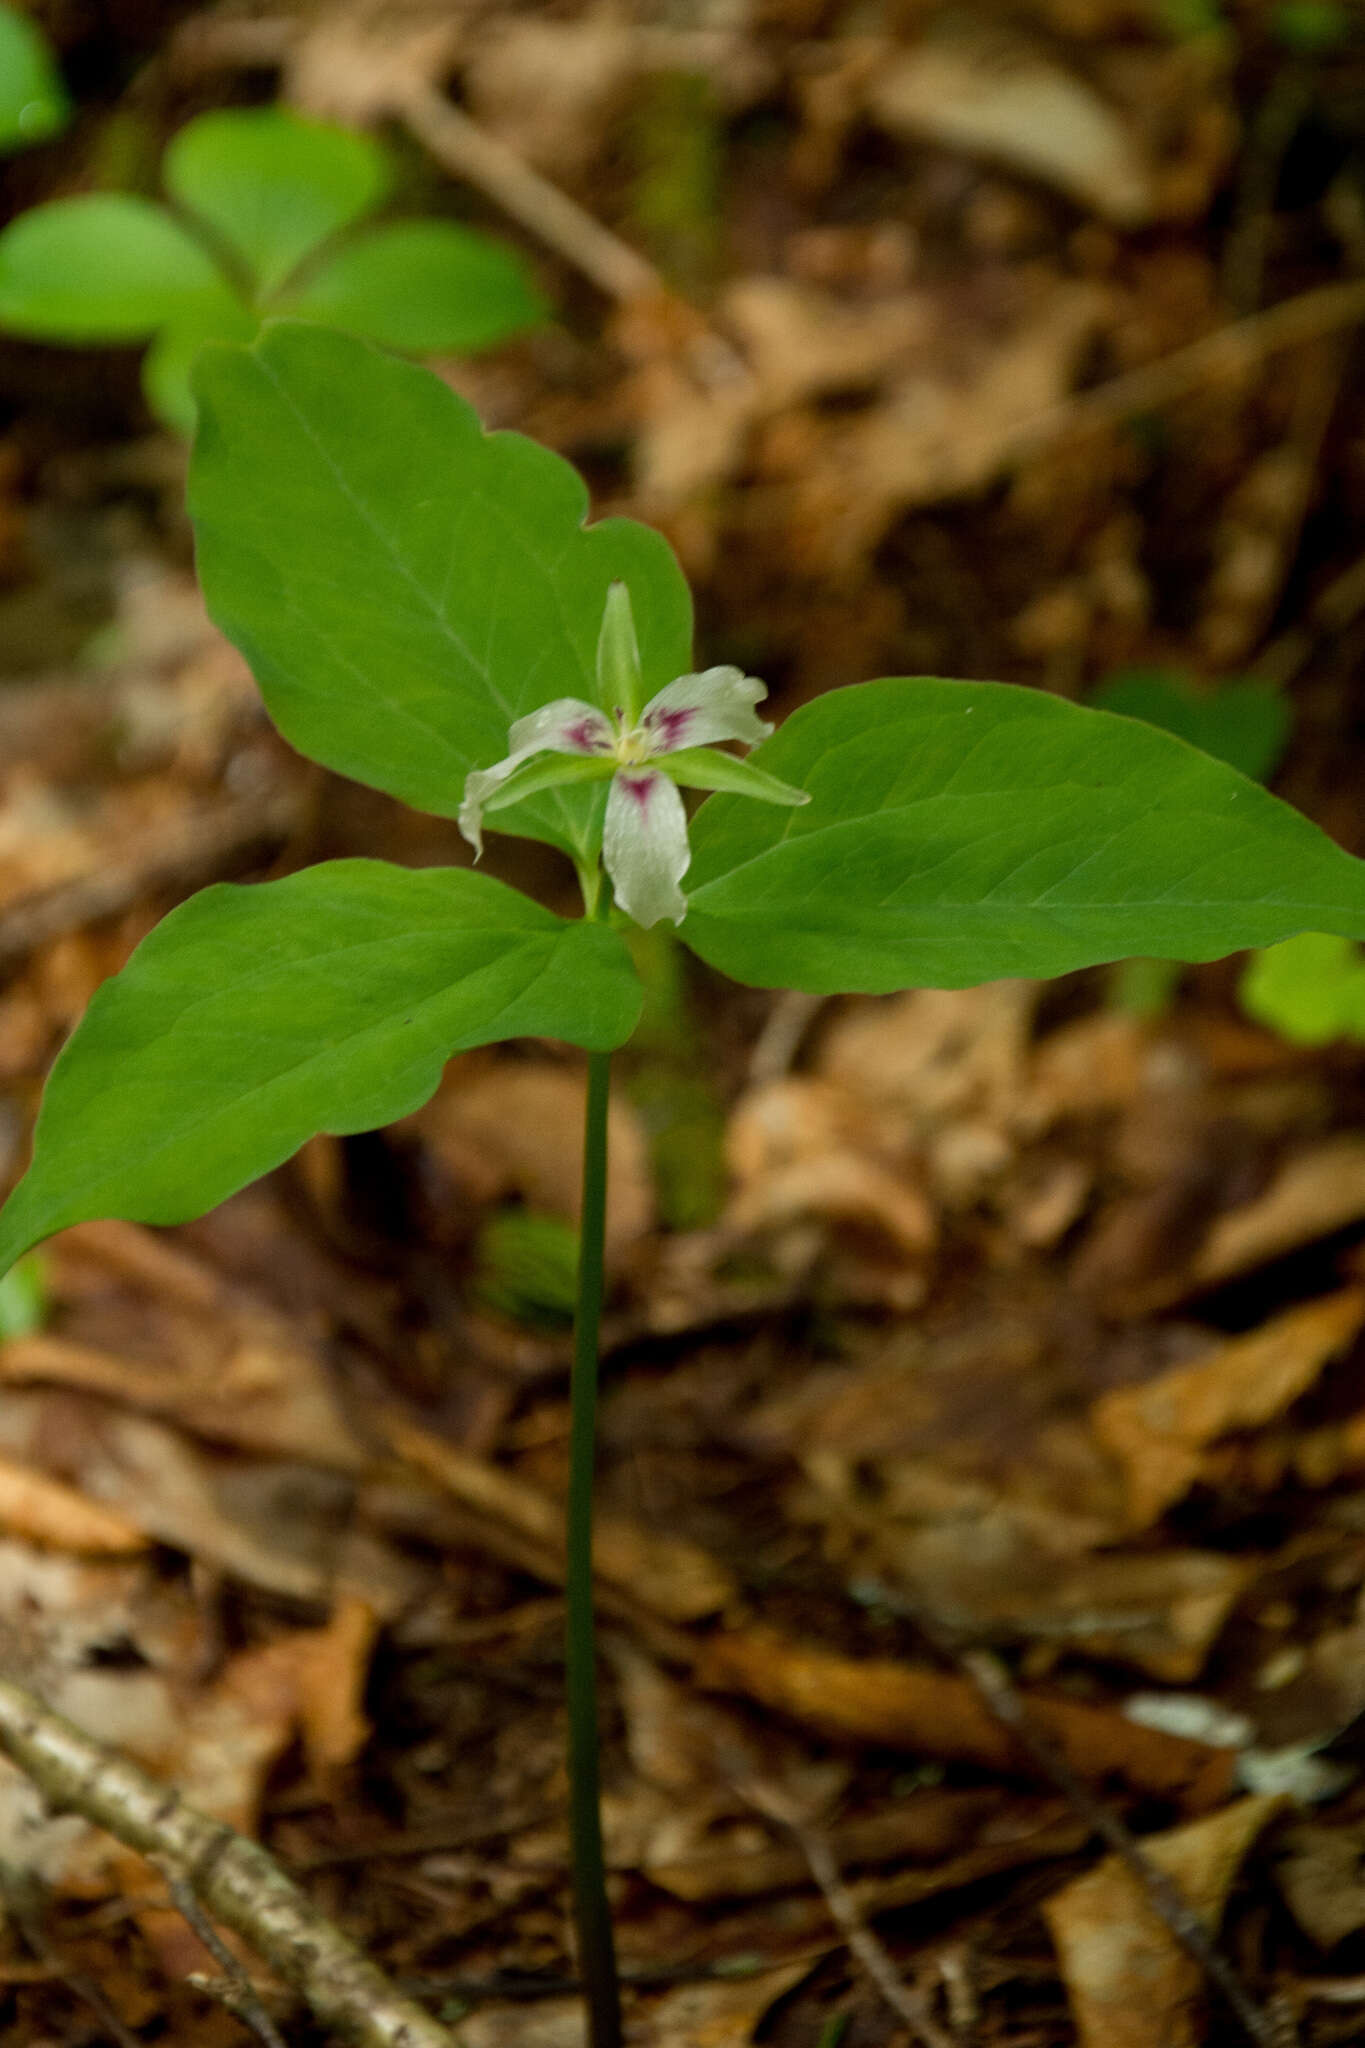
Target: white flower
{"x":647,"y":751}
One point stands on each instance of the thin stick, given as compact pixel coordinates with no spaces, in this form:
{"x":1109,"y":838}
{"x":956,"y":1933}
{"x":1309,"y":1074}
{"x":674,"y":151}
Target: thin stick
{"x":235,"y":1879}
{"x":909,"y":2006}
{"x":592,"y":1912}
{"x":471,"y":152}
{"x":1002,"y":1697}
{"x":236,"y":1992}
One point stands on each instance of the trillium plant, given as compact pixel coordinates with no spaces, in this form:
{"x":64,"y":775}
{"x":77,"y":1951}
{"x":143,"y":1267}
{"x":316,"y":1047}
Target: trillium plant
{"x":426,"y":610}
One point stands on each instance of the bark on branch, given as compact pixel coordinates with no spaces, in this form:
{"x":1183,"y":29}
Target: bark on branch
{"x":237,"y":1882}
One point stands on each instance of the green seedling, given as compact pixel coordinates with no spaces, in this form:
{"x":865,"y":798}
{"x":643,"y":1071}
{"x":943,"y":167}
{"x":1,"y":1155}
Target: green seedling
{"x":33,"y":102}
{"x":1310,"y":989}
{"x":269,"y":213}
{"x":425,"y":610}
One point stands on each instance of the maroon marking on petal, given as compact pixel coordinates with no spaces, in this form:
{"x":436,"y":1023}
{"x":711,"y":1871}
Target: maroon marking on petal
{"x":641,"y":787}
{"x":585,"y":738}
{"x":668,"y":728}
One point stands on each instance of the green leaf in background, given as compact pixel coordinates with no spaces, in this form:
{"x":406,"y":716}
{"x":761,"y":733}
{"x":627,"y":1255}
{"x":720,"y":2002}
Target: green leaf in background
{"x":1246,"y":724}
{"x":33,"y":101}
{"x":272,"y":184}
{"x":1311,"y":989}
{"x":960,"y":832}
{"x":166,"y":367}
{"x":253,"y":1017}
{"x":105,"y":267}
{"x":408,"y":584}
{"x":420,"y":285}
{"x":24,"y":1301}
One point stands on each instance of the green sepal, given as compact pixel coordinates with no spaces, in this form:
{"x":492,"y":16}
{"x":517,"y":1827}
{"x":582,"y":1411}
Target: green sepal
{"x":705,"y":768}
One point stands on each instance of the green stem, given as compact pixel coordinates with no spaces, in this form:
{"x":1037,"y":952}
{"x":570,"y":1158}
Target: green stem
{"x":592,"y":1913}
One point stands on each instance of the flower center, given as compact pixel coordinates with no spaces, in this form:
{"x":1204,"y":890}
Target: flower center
{"x":633,"y":748}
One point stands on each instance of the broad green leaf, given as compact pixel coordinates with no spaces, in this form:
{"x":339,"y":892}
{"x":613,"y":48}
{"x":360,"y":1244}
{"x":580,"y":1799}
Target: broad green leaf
{"x":253,"y":1017}
{"x":33,"y":102}
{"x":168,"y":362}
{"x":1245,"y":724}
{"x":407,"y":584}
{"x":959,"y":832}
{"x":420,"y":285}
{"x":105,"y":267}
{"x":272,"y":184}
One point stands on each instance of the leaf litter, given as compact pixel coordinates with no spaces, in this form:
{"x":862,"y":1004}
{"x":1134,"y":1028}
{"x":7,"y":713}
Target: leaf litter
{"x":1022,"y":1324}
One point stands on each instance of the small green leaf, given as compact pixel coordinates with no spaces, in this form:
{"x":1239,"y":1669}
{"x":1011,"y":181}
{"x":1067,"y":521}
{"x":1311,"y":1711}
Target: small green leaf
{"x":24,"y":1304}
{"x":105,"y":267}
{"x":408,"y":585}
{"x":272,"y":184}
{"x":420,"y":285}
{"x":168,"y":362}
{"x":526,"y":1268}
{"x":253,"y":1017}
{"x":960,"y":832}
{"x":33,"y":101}
{"x":1311,"y":989}
{"x":1245,"y":724}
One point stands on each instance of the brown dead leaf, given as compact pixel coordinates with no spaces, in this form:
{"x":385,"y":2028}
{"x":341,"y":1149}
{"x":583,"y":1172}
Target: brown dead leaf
{"x":991,"y":1576}
{"x":926,"y":1827}
{"x":1160,"y":1431}
{"x":666,"y":1574}
{"x":499,"y":1127}
{"x":906,"y":1706}
{"x":270,"y":1522}
{"x":1130,"y":1983}
{"x":327,"y":1669}
{"x":978,"y":92}
{"x":43,"y":1510}
{"x":1318,"y":1191}
{"x":1320,"y":1871}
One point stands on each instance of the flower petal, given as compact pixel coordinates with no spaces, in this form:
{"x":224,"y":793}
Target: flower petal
{"x":567,"y":726}
{"x":644,"y":845}
{"x":695,"y":711}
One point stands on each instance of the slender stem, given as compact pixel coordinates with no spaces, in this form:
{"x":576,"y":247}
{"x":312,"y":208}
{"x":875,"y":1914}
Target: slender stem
{"x":592,"y":1914}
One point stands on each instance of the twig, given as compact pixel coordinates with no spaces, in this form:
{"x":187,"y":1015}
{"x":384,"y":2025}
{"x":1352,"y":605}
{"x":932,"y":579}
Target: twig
{"x":908,"y":2005}
{"x":1230,"y":350}
{"x":242,"y":1886}
{"x":1001,"y":1695}
{"x":236,"y":1990}
{"x":778,"y":1042}
{"x":560,"y":222}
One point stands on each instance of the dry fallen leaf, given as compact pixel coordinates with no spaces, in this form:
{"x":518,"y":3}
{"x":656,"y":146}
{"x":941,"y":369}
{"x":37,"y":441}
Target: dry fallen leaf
{"x":665,"y":1574}
{"x":1130,"y":1983}
{"x":1159,"y":1431}
{"x":979,"y":92}
{"x":905,"y":1706}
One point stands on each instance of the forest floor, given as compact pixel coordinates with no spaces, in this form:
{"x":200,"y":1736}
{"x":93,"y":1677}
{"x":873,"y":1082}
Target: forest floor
{"x":976,"y":1360}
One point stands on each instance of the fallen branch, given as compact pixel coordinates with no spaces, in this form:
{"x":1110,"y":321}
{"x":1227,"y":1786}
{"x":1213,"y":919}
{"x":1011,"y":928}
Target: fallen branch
{"x":233,"y":1878}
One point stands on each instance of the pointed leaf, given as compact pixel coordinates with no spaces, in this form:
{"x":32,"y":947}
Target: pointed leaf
{"x":33,"y":101}
{"x":105,"y":267}
{"x":408,"y":585}
{"x":420,"y":285}
{"x":959,"y":832}
{"x":253,"y":1017}
{"x":708,"y":768}
{"x":272,"y":184}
